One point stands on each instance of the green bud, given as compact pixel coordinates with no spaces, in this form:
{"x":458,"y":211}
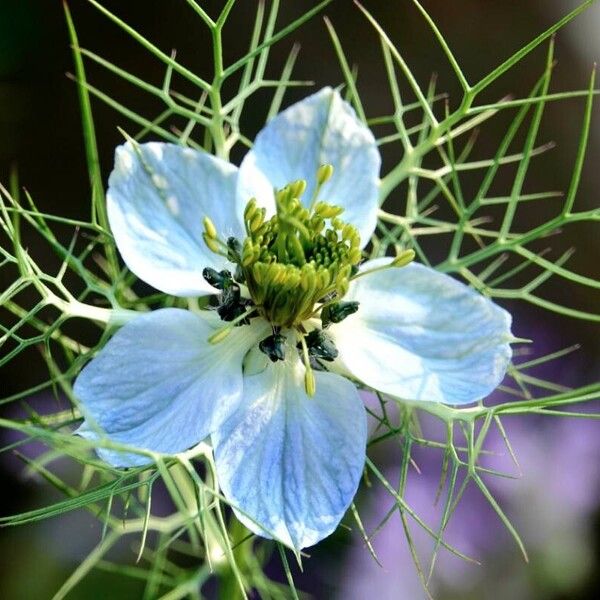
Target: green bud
{"x":276,"y":274}
{"x":292,"y":280}
{"x":297,"y":259}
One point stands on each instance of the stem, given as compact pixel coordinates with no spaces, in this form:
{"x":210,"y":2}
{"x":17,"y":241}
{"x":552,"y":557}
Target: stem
{"x":216,"y":124}
{"x":108,"y":316}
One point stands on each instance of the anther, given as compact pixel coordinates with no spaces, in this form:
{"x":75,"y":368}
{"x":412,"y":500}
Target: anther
{"x":403,"y":258}
{"x":299,"y":187}
{"x":337,"y":312}
{"x":218,"y":279}
{"x":250,"y":209}
{"x":321,"y":346}
{"x":274,"y":347}
{"x":324,"y":173}
{"x":310,"y":384}
{"x":232,"y":305}
{"x":309,"y":377}
{"x":235,"y":250}
{"x":212,"y":244}
{"x":209,"y":228}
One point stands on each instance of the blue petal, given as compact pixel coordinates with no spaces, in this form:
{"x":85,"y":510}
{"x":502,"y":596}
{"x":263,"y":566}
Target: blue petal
{"x":159,"y":385}
{"x":320,"y":129}
{"x":421,"y":335}
{"x":157,"y":199}
{"x":291,"y":464}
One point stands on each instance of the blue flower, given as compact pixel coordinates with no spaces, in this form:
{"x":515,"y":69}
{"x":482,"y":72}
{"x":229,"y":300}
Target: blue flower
{"x":268,"y":373}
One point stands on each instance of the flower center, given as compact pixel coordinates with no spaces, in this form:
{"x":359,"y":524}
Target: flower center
{"x":296,"y":266}
{"x":300,"y":259}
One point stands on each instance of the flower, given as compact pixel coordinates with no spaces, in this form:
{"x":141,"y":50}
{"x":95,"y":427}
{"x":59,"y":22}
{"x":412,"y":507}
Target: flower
{"x":265,"y":375}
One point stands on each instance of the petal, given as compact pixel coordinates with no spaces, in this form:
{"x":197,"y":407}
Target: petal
{"x":421,"y":335}
{"x":157,"y":199}
{"x":320,"y":129}
{"x":159,"y":385}
{"x":290,"y":463}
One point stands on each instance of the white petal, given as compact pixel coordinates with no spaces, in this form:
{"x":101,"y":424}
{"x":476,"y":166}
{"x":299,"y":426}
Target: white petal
{"x":159,"y":385}
{"x":291,"y":464}
{"x":421,"y":335}
{"x":320,"y":129}
{"x":157,"y":199}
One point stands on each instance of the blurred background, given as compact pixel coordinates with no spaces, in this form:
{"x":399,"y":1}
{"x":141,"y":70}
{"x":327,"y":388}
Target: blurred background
{"x":555,"y":503}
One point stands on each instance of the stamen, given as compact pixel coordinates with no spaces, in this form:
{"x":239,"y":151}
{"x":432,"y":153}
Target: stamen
{"x":324,"y":173}
{"x":295,"y":265}
{"x":211,"y":239}
{"x":309,"y":377}
{"x":403,"y":258}
{"x":298,"y":257}
{"x":232,"y":305}
{"x":220,"y":334}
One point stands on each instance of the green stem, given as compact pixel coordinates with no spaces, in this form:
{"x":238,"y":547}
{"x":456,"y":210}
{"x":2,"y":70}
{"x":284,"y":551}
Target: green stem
{"x":216,"y":124}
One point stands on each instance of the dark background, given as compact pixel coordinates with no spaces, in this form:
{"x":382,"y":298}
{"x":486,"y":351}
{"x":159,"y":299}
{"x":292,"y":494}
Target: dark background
{"x":40,"y":133}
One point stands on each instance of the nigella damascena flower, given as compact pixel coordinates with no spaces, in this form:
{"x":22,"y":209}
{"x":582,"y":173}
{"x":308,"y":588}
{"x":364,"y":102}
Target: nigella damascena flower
{"x":267,"y":370}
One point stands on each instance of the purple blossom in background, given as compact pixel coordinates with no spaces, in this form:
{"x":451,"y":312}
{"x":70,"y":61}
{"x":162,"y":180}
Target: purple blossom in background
{"x":550,"y":503}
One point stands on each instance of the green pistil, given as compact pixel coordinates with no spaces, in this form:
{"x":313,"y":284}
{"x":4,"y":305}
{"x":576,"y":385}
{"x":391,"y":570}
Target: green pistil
{"x":295,"y":259}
